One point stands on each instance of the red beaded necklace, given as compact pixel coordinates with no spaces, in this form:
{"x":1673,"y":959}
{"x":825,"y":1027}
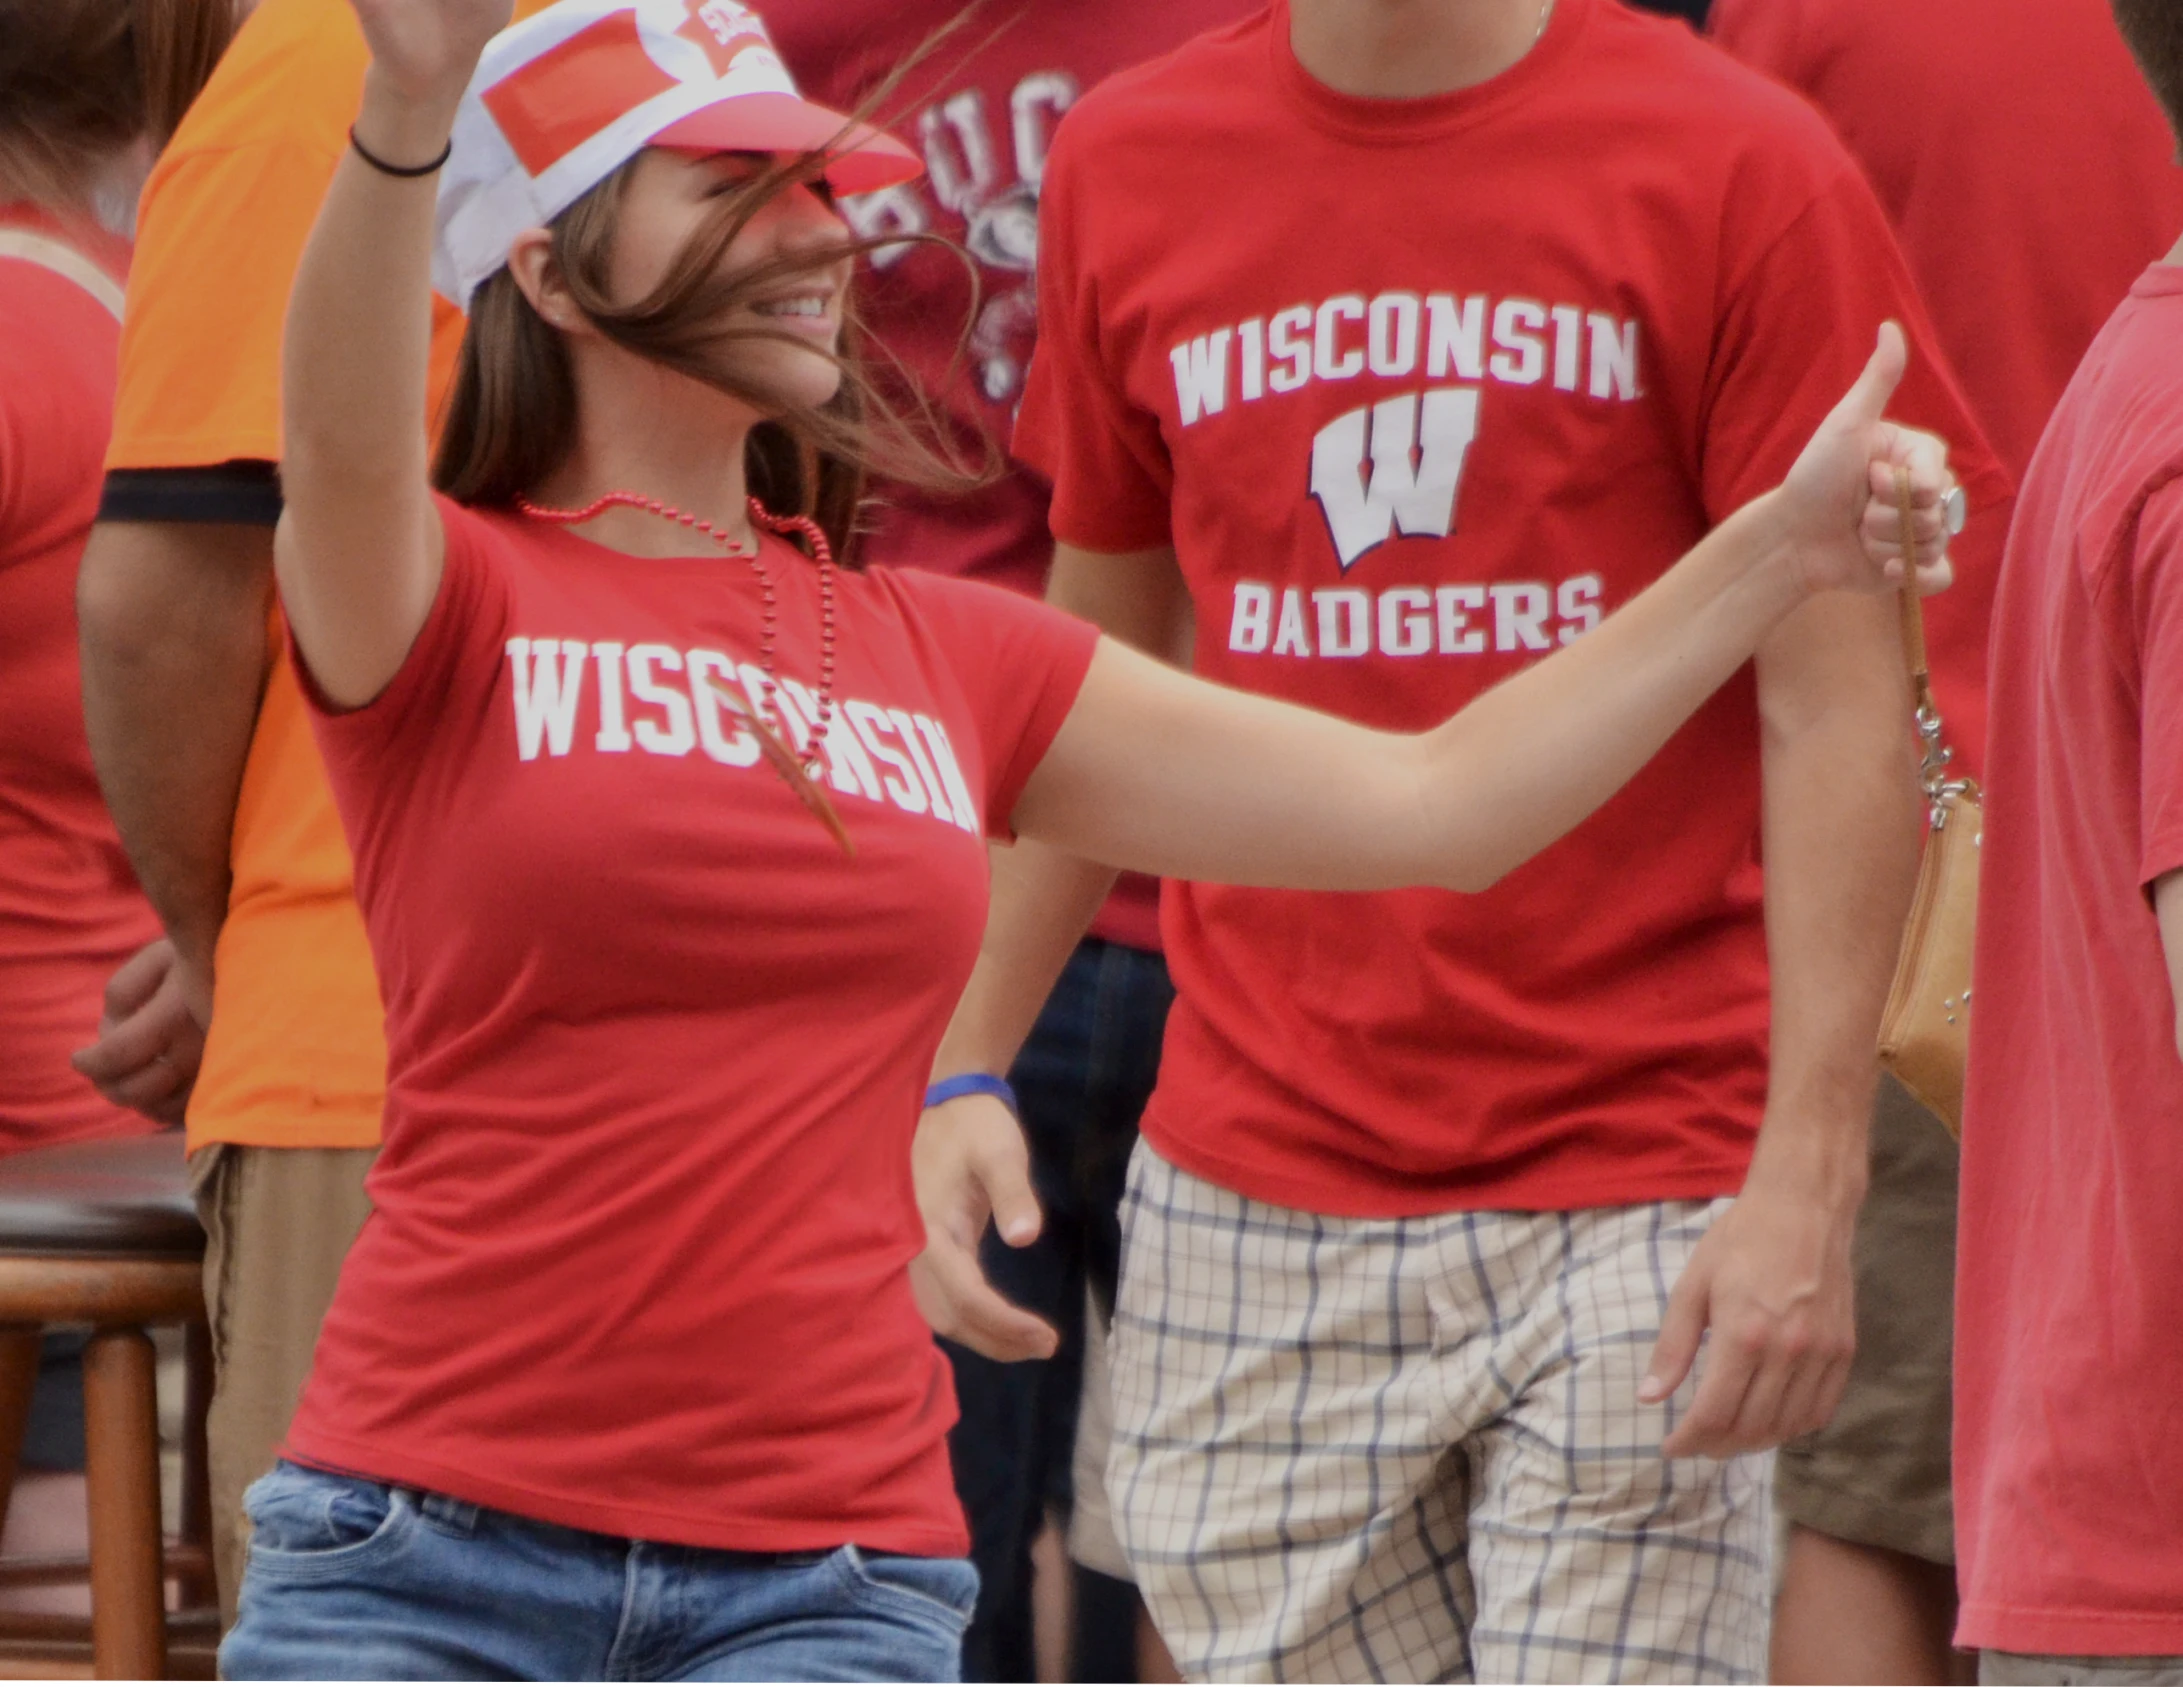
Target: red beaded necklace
{"x":801,"y":773}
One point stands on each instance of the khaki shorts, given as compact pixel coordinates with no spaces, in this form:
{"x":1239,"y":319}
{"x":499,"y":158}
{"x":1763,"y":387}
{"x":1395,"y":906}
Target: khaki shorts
{"x":2023,"y":1669}
{"x":1878,"y":1474}
{"x":278,"y":1222}
{"x":1092,"y":1540}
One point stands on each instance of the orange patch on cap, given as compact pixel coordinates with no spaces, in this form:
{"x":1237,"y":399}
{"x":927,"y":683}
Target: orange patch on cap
{"x":568,"y":94}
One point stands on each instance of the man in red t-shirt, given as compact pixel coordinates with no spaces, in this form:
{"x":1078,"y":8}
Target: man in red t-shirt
{"x":1394,"y":345}
{"x":2030,"y":186}
{"x":982,"y":107}
{"x":2069,"y":1369}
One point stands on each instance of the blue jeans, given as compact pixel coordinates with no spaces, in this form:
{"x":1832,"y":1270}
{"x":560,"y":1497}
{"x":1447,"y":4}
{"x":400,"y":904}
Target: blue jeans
{"x":354,"y":1580}
{"x":1083,"y":1078}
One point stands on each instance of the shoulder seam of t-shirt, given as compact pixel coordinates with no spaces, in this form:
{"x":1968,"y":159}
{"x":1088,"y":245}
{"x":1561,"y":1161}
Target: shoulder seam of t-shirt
{"x":2150,"y":485}
{"x":242,"y":492}
{"x":57,"y":257}
{"x":2122,"y":540}
{"x":1844,"y":170}
{"x":2098,"y":580}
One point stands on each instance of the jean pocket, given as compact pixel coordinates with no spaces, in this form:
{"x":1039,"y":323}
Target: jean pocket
{"x":313,"y":1517}
{"x":944,"y":1588}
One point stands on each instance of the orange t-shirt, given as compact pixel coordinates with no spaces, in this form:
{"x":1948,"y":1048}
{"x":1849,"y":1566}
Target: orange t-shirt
{"x":297,"y":1052}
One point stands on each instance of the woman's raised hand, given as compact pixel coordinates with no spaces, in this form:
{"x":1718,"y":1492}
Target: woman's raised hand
{"x":1839,"y":498}
{"x":426,"y":49}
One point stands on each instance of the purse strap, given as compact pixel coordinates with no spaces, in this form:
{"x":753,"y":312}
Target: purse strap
{"x":1933,"y":768}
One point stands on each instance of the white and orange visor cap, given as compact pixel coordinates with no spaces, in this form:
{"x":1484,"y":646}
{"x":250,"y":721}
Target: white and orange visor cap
{"x":563,"y":99}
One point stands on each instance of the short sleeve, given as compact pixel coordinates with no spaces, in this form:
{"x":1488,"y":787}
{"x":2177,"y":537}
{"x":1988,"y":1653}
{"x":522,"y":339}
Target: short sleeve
{"x":1799,"y":321}
{"x":2156,"y":575}
{"x":1020,"y":664}
{"x":219,"y":236}
{"x":1103,"y":456}
{"x":450,"y":669}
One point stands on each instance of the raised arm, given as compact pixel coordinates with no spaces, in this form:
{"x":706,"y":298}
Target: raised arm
{"x":358,"y":552}
{"x":1164,"y":773}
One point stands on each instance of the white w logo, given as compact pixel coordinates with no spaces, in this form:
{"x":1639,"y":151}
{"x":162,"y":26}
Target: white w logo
{"x":1386,"y":467}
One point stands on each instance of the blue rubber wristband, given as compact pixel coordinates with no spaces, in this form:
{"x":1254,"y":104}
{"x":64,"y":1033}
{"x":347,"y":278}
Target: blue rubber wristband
{"x":973,"y":1083}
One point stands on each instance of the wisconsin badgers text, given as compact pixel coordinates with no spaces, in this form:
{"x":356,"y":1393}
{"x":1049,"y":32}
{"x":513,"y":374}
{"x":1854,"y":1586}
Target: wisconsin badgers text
{"x":1459,"y":620}
{"x":1395,"y":465}
{"x":1517,"y":342}
{"x":657,"y":700}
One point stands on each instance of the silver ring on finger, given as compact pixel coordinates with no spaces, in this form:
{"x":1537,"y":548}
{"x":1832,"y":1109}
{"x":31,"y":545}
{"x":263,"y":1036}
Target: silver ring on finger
{"x":1955,"y":510}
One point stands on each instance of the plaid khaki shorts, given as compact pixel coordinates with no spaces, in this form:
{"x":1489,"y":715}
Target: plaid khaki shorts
{"x":1412,"y":1449}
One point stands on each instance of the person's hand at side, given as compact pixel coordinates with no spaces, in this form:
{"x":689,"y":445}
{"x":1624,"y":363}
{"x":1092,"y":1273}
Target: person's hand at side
{"x":151,"y":1036}
{"x":971,"y":1164}
{"x":1772,"y":1281}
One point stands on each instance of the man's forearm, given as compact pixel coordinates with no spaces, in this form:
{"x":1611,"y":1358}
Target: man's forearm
{"x":1043,"y":899}
{"x":173,"y":619}
{"x":1841,"y":838}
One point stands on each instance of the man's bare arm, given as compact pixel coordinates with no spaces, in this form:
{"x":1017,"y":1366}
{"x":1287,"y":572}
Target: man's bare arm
{"x":1043,"y":899}
{"x":173,"y":619}
{"x":2168,"y":904}
{"x":1772,"y":1279}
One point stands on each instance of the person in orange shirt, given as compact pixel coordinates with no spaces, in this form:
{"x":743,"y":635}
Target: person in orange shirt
{"x":199,"y":735}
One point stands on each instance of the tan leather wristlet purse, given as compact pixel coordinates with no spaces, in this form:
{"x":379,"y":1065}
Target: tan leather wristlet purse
{"x":1925,"y":1030}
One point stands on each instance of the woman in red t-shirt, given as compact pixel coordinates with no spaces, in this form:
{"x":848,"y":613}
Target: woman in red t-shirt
{"x":88,"y":91}
{"x":669,"y":835}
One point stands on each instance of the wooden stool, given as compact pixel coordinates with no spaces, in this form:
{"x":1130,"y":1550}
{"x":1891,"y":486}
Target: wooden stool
{"x":104,"y":1234}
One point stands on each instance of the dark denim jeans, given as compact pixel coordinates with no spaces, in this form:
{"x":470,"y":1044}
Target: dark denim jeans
{"x":1083,"y":1079}
{"x":353,"y":1580}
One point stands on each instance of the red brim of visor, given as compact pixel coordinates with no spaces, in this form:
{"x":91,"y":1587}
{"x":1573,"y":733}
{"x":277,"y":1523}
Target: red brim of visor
{"x":860,"y":159}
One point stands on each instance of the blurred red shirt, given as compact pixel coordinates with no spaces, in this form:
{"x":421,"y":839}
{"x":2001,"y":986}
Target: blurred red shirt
{"x":70,"y":910}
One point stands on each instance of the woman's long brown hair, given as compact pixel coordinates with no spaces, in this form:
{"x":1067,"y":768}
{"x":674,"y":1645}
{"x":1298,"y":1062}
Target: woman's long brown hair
{"x":511,"y":416}
{"x":82,"y":79}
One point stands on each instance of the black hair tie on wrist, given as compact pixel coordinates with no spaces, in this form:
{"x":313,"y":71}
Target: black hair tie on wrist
{"x":404,"y":172}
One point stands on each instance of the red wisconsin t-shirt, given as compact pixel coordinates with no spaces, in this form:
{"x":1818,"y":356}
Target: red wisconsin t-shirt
{"x":2069,"y":1285}
{"x":656,"y":1049}
{"x":70,"y":910}
{"x":982,"y":108}
{"x":2029,"y":185}
{"x":1420,"y":389}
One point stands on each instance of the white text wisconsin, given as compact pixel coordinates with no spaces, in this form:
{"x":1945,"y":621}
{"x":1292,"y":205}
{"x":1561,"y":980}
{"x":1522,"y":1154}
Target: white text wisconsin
{"x":1519,"y":342}
{"x":658,"y":700}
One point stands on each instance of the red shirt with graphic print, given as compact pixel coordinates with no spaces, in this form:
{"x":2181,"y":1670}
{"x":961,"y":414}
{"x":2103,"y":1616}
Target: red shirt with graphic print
{"x":982,"y":107}
{"x":640,"y":1230}
{"x":1419,"y":389}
